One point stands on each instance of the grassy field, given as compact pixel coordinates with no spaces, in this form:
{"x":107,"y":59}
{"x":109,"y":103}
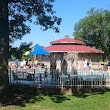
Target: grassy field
{"x":85,"y":101}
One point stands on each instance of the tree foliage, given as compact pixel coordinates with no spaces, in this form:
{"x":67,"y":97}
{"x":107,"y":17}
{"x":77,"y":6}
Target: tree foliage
{"x":95,"y":30}
{"x":14,"y":15}
{"x":18,"y":52}
{"x":39,"y":12}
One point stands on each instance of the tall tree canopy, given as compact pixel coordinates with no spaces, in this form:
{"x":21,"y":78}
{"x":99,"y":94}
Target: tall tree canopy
{"x":21,"y":11}
{"x":14,"y":15}
{"x":95,"y":30}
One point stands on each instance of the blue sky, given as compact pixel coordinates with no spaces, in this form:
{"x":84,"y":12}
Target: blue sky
{"x":71,"y":11}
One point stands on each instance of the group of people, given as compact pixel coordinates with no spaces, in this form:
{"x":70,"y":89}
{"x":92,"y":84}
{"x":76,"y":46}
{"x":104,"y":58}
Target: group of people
{"x":25,"y":63}
{"x":87,"y":64}
{"x":84,"y":64}
{"x":31,"y":64}
{"x":55,"y":75}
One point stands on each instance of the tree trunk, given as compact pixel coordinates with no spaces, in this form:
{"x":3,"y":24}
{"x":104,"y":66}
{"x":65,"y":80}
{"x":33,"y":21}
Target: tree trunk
{"x":4,"y":44}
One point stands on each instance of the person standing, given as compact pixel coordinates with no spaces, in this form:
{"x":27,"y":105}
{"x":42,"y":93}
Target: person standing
{"x":85,"y":63}
{"x":35,"y":62}
{"x":16,"y":63}
{"x":90,"y":63}
{"x":45,"y":74}
{"x":40,"y":78}
{"x":30,"y":64}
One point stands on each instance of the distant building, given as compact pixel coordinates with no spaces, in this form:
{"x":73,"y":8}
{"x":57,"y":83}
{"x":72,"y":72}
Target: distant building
{"x":72,"y":51}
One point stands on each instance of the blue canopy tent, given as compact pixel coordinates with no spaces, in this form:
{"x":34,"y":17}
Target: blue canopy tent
{"x":38,"y":50}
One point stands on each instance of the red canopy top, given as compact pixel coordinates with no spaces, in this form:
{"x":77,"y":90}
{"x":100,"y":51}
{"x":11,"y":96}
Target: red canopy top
{"x":72,"y":48}
{"x":67,"y":40}
{"x":70,"y":45}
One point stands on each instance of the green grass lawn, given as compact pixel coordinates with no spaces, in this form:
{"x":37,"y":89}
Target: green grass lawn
{"x":86,"y":101}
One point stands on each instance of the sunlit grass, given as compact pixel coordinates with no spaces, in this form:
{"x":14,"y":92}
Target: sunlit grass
{"x":97,"y":101}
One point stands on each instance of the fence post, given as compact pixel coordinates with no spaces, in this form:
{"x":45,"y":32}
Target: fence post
{"x":34,"y":78}
{"x":61,"y":81}
{"x":103,"y":80}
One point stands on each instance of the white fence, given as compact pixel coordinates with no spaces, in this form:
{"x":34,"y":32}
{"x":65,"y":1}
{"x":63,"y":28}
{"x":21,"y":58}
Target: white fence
{"x":56,"y":79}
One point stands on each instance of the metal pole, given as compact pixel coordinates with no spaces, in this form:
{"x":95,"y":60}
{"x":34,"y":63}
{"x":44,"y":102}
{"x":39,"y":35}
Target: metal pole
{"x":62,"y":72}
{"x":34,"y":78}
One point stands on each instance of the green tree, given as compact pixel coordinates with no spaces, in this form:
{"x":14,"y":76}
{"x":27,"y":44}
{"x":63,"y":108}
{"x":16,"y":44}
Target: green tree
{"x":94,"y":29}
{"x":18,"y":52}
{"x":14,"y":15}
